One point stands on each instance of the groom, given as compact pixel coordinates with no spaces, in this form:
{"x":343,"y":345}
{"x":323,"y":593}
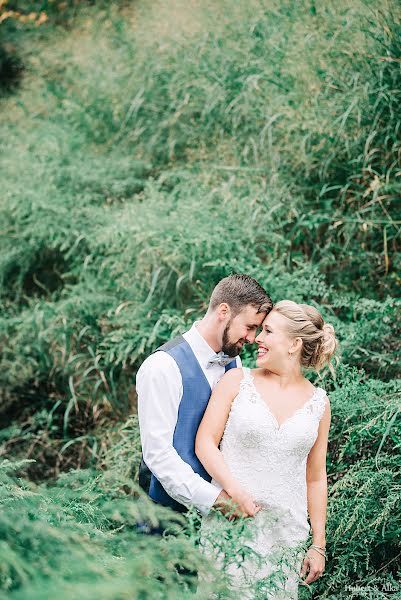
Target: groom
{"x":174,"y":385}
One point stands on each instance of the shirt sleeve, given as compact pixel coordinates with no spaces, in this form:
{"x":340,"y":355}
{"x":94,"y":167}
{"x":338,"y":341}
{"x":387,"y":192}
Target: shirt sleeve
{"x":159,"y":388}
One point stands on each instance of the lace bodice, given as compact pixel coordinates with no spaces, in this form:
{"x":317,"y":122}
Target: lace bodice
{"x":269,"y":459}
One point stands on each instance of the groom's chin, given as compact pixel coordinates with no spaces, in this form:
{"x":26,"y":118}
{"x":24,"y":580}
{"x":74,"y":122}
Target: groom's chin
{"x":233,"y":350}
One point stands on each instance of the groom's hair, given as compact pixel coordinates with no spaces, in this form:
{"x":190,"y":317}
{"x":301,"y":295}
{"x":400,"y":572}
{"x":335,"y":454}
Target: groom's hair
{"x":239,"y":290}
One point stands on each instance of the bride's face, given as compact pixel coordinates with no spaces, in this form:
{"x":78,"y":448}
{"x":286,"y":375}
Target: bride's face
{"x":274,"y":343}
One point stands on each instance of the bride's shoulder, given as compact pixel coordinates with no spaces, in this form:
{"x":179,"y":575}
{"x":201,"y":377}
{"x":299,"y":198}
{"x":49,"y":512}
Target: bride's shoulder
{"x":308,"y":387}
{"x":316,"y":394}
{"x":320,"y":393}
{"x":233,"y":375}
{"x":321,"y":400}
{"x":230,"y":382}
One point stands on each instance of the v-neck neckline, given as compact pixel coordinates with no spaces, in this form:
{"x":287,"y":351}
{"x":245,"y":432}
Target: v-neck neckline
{"x":279,"y":426}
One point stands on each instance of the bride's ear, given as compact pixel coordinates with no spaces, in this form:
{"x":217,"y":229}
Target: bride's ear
{"x":296,"y":345}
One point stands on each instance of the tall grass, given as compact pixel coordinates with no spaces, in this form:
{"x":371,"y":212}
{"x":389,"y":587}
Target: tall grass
{"x":149,"y":151}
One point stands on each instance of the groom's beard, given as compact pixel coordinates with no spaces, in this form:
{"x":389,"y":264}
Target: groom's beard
{"x":230,"y":348}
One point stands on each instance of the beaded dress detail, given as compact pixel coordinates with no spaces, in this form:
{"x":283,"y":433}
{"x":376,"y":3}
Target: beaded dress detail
{"x":269,"y":461}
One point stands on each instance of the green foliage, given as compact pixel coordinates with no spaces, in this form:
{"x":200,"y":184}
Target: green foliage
{"x":364,"y":480}
{"x":149,"y":151}
{"x":79,"y":539}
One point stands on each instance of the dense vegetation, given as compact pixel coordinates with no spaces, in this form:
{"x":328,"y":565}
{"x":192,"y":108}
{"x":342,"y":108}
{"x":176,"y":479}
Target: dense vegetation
{"x":149,"y":150}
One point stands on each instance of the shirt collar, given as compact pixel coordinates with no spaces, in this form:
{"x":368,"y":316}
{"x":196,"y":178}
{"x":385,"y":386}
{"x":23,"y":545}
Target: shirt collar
{"x":198,"y":344}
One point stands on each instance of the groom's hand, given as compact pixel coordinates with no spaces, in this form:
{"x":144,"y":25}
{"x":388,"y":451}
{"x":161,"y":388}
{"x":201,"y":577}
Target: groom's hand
{"x":225,"y":505}
{"x":221,"y":500}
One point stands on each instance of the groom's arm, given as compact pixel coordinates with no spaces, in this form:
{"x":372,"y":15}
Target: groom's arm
{"x":159,"y":388}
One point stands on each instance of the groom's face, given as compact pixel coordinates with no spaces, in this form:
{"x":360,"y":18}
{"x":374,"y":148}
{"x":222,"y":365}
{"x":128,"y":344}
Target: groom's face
{"x":241,"y":330}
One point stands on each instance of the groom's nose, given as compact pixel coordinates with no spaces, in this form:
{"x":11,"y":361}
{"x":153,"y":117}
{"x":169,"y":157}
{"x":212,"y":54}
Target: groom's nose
{"x":250,"y":337}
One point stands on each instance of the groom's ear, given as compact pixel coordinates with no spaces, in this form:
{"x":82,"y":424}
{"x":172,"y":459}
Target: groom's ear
{"x":223,"y":311}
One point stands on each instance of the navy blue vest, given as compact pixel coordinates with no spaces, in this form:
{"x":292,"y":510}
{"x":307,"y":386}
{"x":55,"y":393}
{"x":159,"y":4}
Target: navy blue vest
{"x":196,"y":393}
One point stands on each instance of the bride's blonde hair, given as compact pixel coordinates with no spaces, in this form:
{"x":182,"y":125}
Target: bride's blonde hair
{"x":319,"y":342}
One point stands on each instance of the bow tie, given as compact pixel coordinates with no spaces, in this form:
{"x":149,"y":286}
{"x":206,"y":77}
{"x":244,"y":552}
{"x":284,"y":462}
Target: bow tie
{"x":220,"y":359}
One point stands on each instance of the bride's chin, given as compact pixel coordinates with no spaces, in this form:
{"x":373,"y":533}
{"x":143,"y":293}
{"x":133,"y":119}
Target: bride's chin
{"x":261,"y":360}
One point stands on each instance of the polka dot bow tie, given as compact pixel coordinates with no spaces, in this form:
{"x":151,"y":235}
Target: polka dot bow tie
{"x":220,"y":359}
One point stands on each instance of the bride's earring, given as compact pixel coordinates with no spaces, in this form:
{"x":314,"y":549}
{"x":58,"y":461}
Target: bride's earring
{"x":290,"y":354}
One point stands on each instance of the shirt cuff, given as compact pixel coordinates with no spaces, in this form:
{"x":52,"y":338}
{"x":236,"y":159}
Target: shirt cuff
{"x":206,"y":497}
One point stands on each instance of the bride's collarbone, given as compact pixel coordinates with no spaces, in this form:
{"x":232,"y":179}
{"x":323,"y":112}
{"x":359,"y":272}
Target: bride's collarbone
{"x":290,"y":398}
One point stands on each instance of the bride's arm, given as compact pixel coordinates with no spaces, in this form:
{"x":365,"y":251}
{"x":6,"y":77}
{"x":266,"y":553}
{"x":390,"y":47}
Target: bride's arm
{"x":316,"y":479}
{"x":209,"y":436}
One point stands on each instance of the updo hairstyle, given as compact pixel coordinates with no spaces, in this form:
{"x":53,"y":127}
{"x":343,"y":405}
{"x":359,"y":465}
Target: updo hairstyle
{"x":319,"y":342}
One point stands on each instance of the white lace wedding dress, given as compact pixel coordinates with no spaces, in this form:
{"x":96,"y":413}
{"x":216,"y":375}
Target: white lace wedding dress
{"x":263,"y":555}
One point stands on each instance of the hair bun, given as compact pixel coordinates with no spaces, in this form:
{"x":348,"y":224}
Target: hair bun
{"x":328,"y":346}
{"x":328,"y":330}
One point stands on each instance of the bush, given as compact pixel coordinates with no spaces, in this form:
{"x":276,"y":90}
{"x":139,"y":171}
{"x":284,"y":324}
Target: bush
{"x":143,"y":163}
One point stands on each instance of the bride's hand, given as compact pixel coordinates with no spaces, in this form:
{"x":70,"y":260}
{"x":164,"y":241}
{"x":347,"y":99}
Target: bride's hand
{"x":245,"y":506}
{"x":314,"y":563}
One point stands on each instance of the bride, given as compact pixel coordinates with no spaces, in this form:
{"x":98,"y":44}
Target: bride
{"x":273,"y":427}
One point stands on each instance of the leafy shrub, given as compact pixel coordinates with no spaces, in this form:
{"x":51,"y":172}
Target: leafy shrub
{"x":142,"y":164}
{"x":80,"y":538}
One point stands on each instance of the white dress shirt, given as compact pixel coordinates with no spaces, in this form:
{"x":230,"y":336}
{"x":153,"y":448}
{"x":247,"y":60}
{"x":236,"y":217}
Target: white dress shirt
{"x":159,"y":388}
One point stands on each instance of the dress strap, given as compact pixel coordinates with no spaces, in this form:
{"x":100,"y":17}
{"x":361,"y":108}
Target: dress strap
{"x":247,"y":375}
{"x":319,"y":402}
{"x":247,"y":386}
{"x":319,"y":395}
